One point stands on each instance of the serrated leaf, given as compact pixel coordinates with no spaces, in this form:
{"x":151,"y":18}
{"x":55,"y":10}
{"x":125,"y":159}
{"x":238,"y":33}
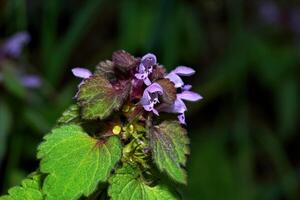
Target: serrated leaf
{"x":126,"y":184}
{"x":123,"y":59}
{"x":169,"y":95}
{"x":106,"y":69}
{"x":71,"y":115}
{"x":30,"y":189}
{"x":75,"y":162}
{"x":98,"y":98}
{"x":169,"y":144}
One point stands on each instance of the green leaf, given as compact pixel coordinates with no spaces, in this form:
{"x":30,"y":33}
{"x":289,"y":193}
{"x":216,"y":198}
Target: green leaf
{"x":169,"y":144}
{"x":75,"y":162}
{"x":30,"y":189}
{"x":71,"y":115}
{"x":127,"y":183}
{"x":99,"y":98}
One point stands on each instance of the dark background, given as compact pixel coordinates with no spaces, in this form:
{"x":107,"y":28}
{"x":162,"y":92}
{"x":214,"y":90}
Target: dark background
{"x":245,"y":140}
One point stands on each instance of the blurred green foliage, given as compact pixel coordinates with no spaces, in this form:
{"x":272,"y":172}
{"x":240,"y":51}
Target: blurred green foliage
{"x":244,"y":134}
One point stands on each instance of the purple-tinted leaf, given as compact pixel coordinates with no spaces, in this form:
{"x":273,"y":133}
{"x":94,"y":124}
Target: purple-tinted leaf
{"x":106,"y":69}
{"x":123,"y":59}
{"x":158,"y":73}
{"x":169,"y":95}
{"x":98,"y":98}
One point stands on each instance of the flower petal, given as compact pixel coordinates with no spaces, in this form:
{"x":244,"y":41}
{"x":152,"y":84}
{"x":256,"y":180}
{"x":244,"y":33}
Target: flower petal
{"x":181,"y":118}
{"x":141,"y":76}
{"x":141,"y":69}
{"x":175,"y":79}
{"x":81,"y":72}
{"x":189,"y":96}
{"x":31,"y":81}
{"x":149,"y":107}
{"x":147,"y":81}
{"x":146,"y":99}
{"x":184,"y":71}
{"x":14,"y":45}
{"x":154,"y":87}
{"x":155,"y":111}
{"x":177,"y":107}
{"x":186,"y":87}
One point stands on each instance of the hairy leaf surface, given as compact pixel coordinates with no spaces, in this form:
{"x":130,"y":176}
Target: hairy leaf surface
{"x":123,"y":59}
{"x":75,"y":162}
{"x":71,"y":115}
{"x":126,"y":184}
{"x":99,"y":98}
{"x":169,"y":144}
{"x":30,"y":189}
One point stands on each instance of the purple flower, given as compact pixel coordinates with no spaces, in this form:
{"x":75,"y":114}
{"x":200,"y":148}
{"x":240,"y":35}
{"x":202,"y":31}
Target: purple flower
{"x":14,"y":45}
{"x":174,"y":75}
{"x":150,"y":97}
{"x":145,"y":68}
{"x":179,"y":106}
{"x":81,"y":73}
{"x":31,"y":81}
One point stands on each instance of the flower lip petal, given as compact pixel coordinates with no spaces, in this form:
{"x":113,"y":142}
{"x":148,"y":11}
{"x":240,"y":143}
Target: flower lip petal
{"x":141,"y":76}
{"x":147,"y":81}
{"x":189,"y":96}
{"x":184,"y":71}
{"x":81,"y":72}
{"x":175,"y":79}
{"x":181,"y":118}
{"x":155,"y":87}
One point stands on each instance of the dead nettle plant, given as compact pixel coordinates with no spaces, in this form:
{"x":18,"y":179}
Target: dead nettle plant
{"x":118,"y":140}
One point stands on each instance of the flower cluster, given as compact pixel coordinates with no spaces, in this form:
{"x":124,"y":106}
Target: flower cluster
{"x":159,"y":91}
